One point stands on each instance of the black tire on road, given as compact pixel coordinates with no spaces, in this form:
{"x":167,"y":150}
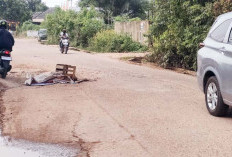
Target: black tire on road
{"x":221,"y":108}
{"x":62,"y":50}
{"x":66,"y":50}
{"x":4,"y":74}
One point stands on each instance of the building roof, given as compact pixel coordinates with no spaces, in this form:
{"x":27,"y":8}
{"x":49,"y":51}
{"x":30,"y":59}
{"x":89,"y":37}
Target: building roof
{"x":40,"y":16}
{"x":36,"y":14}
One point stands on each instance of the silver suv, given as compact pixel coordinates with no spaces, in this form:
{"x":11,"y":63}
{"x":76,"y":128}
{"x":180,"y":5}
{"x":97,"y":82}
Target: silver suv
{"x":215,"y":66}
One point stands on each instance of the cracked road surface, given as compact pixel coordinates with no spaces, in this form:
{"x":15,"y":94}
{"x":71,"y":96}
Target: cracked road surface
{"x":129,"y":110}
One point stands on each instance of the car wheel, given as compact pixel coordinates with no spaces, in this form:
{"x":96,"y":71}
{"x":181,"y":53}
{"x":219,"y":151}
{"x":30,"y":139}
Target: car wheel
{"x":213,"y":98}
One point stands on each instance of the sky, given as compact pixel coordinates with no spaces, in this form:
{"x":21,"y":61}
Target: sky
{"x":53,"y":3}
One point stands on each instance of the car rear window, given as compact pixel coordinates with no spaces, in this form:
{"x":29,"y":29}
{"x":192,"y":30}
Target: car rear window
{"x":43,"y":31}
{"x":220,"y":32}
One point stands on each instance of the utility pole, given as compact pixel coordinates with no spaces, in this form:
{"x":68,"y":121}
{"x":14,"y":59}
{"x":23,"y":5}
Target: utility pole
{"x":71,"y":1}
{"x":67,"y":5}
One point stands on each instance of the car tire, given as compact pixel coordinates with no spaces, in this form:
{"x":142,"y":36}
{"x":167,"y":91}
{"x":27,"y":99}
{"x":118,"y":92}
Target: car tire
{"x":213,"y":98}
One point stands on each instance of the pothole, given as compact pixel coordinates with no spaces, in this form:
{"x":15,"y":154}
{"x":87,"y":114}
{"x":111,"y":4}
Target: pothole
{"x":20,"y":148}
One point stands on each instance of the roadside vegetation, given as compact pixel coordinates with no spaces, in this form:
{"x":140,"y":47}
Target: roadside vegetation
{"x":26,"y":26}
{"x":113,"y":8}
{"x":81,"y":26}
{"x":88,"y":30}
{"x":177,"y":33}
{"x":21,"y":31}
{"x":109,"y":41}
{"x":20,"y":10}
{"x":177,"y":27}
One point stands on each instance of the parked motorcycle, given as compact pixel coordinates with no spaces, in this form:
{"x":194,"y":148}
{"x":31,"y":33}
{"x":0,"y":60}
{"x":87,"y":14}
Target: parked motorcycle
{"x":5,"y":58}
{"x":64,"y":45}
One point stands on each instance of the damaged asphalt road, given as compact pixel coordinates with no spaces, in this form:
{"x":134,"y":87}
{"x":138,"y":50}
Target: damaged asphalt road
{"x":17,"y":147}
{"x":130,"y":110}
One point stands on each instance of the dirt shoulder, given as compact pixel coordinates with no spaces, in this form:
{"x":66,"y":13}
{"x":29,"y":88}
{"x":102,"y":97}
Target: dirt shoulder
{"x":2,"y":108}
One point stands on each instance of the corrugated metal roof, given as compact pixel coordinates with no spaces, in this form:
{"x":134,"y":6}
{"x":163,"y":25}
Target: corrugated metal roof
{"x":36,"y":14}
{"x":40,"y":16}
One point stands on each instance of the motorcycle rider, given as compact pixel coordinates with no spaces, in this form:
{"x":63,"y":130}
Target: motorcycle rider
{"x":63,"y":34}
{"x":6,"y":43}
{"x":6,"y":38}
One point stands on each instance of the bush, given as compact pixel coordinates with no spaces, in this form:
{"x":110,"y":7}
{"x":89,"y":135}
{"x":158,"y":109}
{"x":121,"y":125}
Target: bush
{"x":126,"y":18}
{"x":80,"y":26}
{"x":222,"y":6}
{"x":109,"y":41}
{"x":176,"y":36}
{"x":56,"y":22}
{"x":87,"y":24}
{"x":28,"y":25}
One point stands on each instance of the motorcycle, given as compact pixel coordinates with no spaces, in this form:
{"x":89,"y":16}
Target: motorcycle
{"x":5,"y":58}
{"x":64,"y":45}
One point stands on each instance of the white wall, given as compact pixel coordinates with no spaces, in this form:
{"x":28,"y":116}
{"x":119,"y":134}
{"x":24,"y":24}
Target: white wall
{"x":33,"y":34}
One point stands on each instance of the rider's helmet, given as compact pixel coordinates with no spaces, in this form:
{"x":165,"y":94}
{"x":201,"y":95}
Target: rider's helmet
{"x":3,"y":24}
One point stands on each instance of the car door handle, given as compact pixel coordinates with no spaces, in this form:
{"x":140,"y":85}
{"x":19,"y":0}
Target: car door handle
{"x":222,"y":49}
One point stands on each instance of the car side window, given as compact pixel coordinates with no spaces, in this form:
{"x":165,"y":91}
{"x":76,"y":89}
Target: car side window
{"x":230,"y":37}
{"x":220,"y":32}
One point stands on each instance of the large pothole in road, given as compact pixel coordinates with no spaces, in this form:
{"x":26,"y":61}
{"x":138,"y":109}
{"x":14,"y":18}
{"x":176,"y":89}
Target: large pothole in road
{"x":20,"y":148}
{"x":11,"y":147}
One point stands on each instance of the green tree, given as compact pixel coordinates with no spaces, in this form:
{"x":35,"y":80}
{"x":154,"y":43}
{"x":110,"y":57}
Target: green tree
{"x":201,"y":2}
{"x":15,"y":10}
{"x":178,"y":27}
{"x":81,"y":26}
{"x":222,"y":6}
{"x":41,"y":7}
{"x":87,"y":24}
{"x":36,"y":5}
{"x":57,"y":21}
{"x":111,"y":8}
